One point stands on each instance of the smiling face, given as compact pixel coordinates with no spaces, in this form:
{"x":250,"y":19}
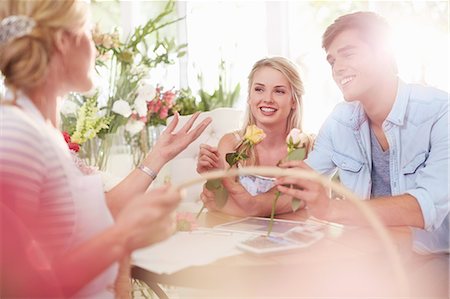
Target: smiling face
{"x":357,"y":68}
{"x":270,"y":97}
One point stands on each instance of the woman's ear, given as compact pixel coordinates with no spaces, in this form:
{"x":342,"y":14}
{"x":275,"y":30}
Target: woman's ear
{"x":62,"y":41}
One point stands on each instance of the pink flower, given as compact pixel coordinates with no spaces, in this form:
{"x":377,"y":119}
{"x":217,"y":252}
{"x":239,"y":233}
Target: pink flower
{"x":164,"y":113}
{"x":186,"y":222}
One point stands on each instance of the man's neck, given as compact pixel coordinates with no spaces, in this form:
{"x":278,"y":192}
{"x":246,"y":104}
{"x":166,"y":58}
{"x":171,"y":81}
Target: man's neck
{"x":379,"y":103}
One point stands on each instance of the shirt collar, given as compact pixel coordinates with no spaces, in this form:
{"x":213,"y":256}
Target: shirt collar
{"x":398,"y":111}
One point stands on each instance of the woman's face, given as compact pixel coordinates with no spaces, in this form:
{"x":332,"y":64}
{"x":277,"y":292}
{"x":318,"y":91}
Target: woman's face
{"x":270,"y":97}
{"x":80,"y":61}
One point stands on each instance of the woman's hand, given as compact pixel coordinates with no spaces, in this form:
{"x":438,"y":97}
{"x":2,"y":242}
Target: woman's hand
{"x":313,"y":193}
{"x":171,"y":143}
{"x":208,"y":159}
{"x":149,"y":218}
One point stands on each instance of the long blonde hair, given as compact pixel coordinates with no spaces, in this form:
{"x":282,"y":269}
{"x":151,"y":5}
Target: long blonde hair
{"x":294,"y":119}
{"x":24,"y":60}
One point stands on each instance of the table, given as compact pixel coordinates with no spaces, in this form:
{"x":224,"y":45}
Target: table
{"x":349,"y":262}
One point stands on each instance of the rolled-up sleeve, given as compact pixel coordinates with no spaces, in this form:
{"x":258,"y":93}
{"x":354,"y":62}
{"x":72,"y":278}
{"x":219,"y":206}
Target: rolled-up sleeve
{"x":432,"y":181}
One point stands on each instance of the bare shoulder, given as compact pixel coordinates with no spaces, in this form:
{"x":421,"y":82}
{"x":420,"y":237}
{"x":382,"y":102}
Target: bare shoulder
{"x":229,"y":141}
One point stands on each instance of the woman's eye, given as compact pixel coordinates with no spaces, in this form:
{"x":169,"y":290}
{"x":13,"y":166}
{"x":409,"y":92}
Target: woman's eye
{"x":258,"y":89}
{"x":280,"y":91}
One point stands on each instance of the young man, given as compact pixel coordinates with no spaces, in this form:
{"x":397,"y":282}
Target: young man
{"x":388,"y":140}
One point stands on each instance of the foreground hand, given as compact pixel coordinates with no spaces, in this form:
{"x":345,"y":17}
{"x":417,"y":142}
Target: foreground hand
{"x":171,"y":143}
{"x":208,"y":159}
{"x":313,"y":193}
{"x":149,"y":218}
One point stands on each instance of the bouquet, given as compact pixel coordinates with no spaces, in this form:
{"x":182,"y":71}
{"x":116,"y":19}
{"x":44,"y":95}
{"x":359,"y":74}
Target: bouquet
{"x":297,"y":146}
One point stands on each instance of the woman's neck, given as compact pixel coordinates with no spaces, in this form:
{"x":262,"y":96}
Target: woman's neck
{"x":45,"y":101}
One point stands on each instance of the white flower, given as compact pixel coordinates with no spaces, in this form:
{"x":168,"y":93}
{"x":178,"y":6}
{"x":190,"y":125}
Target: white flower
{"x":297,"y":138}
{"x":68,"y":107}
{"x":146,"y":92}
{"x":160,"y":50}
{"x":140,"y":105}
{"x":122,"y":107}
{"x":134,"y":126}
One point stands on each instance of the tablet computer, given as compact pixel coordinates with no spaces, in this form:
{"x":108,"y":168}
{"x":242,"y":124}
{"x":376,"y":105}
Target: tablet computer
{"x":259,"y":225}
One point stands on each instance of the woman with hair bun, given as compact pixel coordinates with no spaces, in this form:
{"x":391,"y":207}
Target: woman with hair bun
{"x":67,"y":231}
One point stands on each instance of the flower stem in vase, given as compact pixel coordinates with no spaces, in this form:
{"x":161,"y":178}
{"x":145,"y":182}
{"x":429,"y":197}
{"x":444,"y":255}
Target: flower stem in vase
{"x":200,"y":212}
{"x":272,"y":214}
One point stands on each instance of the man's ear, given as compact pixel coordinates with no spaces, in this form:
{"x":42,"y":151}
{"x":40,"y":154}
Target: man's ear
{"x":62,"y":41}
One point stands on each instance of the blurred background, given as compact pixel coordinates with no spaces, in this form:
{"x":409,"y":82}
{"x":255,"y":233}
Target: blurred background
{"x":225,"y":38}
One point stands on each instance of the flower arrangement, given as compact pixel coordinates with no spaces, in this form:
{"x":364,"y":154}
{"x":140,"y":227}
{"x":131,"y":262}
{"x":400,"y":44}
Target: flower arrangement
{"x":253,"y":135}
{"x":124,"y":100}
{"x":297,"y":146}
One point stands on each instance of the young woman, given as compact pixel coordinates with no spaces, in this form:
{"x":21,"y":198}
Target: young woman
{"x":274,"y":105}
{"x":61,"y":224}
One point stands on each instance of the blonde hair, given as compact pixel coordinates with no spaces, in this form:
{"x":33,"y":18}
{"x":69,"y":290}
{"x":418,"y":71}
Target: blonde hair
{"x":289,"y":70}
{"x":24,"y":60}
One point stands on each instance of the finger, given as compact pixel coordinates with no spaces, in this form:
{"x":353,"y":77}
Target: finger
{"x":297,"y":193}
{"x":300,"y":183}
{"x":295,"y":163}
{"x":208,"y":148}
{"x":173,"y":124}
{"x":208,"y":156}
{"x":207,"y":165}
{"x":198,"y":130}
{"x":187,"y":126}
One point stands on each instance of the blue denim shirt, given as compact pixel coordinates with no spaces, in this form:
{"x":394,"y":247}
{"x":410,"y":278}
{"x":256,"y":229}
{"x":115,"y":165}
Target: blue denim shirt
{"x":418,"y":136}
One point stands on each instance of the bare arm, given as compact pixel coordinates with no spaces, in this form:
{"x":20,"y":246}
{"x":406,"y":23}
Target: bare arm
{"x":392,"y":210}
{"x":169,"y":145}
{"x":145,"y":220}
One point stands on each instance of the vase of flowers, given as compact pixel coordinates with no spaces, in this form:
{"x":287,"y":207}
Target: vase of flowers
{"x":123,"y":100}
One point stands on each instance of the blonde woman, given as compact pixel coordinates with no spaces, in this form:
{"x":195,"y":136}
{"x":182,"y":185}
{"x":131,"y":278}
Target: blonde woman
{"x":274,"y":105}
{"x":70,"y":238}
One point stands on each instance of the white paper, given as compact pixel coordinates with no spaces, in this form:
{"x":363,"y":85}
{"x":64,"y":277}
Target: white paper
{"x":186,"y":249}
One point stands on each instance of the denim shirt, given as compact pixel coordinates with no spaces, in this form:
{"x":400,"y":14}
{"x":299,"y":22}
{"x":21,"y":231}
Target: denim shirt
{"x":418,"y":136}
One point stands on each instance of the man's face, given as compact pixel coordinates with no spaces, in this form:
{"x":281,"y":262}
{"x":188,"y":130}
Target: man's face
{"x":356,"y":68}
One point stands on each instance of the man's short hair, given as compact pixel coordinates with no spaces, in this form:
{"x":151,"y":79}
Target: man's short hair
{"x":373,"y":30}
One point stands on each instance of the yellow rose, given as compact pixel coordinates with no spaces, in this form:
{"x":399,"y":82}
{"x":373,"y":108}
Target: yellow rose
{"x":254,"y":135}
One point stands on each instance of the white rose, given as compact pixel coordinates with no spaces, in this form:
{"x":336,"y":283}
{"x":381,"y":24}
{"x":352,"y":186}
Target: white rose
{"x":140,"y":105}
{"x":134,"y":126}
{"x":146,"y":92}
{"x":122,"y":107}
{"x":297,"y":138}
{"x":68,"y":107}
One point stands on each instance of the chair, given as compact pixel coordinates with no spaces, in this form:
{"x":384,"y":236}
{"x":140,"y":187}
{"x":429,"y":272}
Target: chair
{"x":183,"y":167}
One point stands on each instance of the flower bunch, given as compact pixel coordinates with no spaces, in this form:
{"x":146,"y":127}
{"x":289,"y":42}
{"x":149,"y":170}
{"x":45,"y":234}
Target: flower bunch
{"x":297,"y":146}
{"x":89,"y":122}
{"x":122,"y":92}
{"x":161,"y":106}
{"x":73,"y":146}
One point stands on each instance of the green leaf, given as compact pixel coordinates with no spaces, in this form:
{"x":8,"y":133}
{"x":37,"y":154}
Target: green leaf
{"x":295,"y":204}
{"x":231,"y":158}
{"x":220,"y":193}
{"x":297,"y":154}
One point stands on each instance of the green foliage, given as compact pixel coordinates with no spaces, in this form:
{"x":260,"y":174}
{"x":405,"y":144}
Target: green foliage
{"x":222,"y":96}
